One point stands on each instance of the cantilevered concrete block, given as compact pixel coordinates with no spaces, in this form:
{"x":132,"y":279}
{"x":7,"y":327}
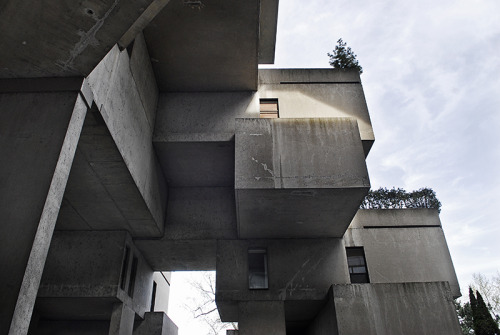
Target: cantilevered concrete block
{"x":298,"y":177}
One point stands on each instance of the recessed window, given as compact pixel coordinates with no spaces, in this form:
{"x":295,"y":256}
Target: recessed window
{"x":357,"y":265}
{"x":123,"y":279}
{"x":257,"y":269}
{"x":133,"y":275}
{"x":269,"y":108}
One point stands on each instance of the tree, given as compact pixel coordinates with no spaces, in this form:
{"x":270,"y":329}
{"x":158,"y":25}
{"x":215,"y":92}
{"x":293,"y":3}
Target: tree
{"x":490,"y":288}
{"x":482,"y":321}
{"x":203,"y":307}
{"x":343,"y":57}
{"x":464,"y":313}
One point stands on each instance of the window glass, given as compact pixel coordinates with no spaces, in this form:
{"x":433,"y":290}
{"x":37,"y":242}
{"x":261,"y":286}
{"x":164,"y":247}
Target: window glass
{"x":257,"y":269}
{"x":357,"y":265}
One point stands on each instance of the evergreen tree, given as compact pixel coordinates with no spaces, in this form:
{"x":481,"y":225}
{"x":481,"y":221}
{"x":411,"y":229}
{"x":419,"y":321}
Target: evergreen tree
{"x":482,"y":320}
{"x":343,"y":57}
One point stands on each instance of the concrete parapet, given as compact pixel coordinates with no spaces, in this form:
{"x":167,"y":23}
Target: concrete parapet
{"x":405,"y":308}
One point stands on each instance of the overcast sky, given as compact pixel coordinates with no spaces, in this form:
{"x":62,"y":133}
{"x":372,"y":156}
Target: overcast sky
{"x":432,"y":84}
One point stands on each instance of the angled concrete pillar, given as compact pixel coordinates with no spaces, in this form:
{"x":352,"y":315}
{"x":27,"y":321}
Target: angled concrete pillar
{"x":40,"y":124}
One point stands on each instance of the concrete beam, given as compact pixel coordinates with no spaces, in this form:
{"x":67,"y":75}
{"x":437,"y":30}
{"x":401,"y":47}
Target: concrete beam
{"x":38,"y":140}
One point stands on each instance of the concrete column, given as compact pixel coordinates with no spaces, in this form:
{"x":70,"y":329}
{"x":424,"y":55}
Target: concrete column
{"x":40,"y":124}
{"x":122,"y":320}
{"x":261,"y":318}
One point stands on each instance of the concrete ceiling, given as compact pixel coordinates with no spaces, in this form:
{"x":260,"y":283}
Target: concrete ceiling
{"x":209,"y":47}
{"x":61,"y":38}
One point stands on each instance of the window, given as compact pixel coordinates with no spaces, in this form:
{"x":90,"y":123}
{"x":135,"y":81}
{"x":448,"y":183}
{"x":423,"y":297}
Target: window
{"x":123,"y":279}
{"x":133,"y":275}
{"x":153,"y":298}
{"x":269,"y":108}
{"x":257,"y":269}
{"x":357,"y":265}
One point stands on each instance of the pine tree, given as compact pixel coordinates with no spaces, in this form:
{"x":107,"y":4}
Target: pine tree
{"x":482,"y":320}
{"x":344,"y":58}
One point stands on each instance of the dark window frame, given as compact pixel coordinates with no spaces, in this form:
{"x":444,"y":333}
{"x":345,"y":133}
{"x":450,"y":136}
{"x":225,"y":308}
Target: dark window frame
{"x":357,"y":266}
{"x":258,"y":269}
{"x":269,"y":113}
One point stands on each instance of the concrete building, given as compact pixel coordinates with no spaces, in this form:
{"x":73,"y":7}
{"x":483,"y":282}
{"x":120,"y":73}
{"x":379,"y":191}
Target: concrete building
{"x":140,"y":137}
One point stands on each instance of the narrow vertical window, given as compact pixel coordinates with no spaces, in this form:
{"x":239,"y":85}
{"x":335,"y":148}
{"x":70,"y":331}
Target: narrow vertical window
{"x":133,"y":274}
{"x":123,"y":279}
{"x":269,"y":108}
{"x":153,"y":297}
{"x":257,"y":269}
{"x":357,"y":265}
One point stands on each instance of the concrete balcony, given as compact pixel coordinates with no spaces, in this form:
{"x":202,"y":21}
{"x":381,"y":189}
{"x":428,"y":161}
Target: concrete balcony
{"x":298,"y":177}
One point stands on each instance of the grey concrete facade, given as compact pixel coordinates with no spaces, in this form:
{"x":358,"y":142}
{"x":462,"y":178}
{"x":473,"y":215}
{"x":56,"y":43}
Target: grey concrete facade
{"x":132,"y":143}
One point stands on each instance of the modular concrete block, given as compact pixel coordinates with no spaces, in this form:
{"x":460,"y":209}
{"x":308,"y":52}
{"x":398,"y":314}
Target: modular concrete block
{"x":298,"y":270}
{"x":403,"y":245}
{"x":298,"y":177}
{"x":308,"y":93}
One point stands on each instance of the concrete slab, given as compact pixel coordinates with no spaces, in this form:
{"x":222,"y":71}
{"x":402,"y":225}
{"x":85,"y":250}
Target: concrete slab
{"x":60,"y":39}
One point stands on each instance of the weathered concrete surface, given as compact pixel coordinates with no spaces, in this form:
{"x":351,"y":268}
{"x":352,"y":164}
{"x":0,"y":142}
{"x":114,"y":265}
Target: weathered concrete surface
{"x":129,"y":120}
{"x":325,"y":322}
{"x":406,"y":245}
{"x":38,"y":137}
{"x":202,"y":116}
{"x":298,"y":269}
{"x":408,"y":308}
{"x":101,"y":193}
{"x":213,"y":48}
{"x":197,"y":218}
{"x":298,"y":177}
{"x":157,"y":323}
{"x":58,"y":39}
{"x":85,"y":268}
{"x":122,"y":320}
{"x":261,"y":317}
{"x":194,"y":135}
{"x":318,"y":93}
{"x":51,"y":327}
{"x":162,"y":280}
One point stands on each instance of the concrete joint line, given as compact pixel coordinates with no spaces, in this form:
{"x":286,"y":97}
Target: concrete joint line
{"x":142,"y":21}
{"x":38,"y":255}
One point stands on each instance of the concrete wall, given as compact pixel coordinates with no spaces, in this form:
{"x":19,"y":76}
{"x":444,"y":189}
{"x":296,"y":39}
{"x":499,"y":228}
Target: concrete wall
{"x":88,"y":264}
{"x":126,"y":97}
{"x":325,"y":322}
{"x":394,"y":309}
{"x":162,"y":280}
{"x":318,"y":93}
{"x":202,"y":116}
{"x":297,"y":270}
{"x":33,"y":174}
{"x":261,"y":317}
{"x":406,"y":245}
{"x":157,"y":323}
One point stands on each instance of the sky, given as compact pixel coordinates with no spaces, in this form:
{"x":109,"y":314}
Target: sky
{"x":431,"y":77}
